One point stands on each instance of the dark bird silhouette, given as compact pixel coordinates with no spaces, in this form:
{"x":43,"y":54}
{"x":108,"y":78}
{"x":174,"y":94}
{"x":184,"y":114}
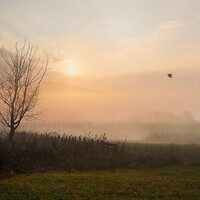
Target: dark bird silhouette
{"x":170,"y":75}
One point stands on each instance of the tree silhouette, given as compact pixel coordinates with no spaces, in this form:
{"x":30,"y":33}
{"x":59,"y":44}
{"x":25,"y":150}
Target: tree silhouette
{"x":21,"y":73}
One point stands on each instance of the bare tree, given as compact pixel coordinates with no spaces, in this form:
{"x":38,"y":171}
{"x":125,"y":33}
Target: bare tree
{"x":21,"y":73}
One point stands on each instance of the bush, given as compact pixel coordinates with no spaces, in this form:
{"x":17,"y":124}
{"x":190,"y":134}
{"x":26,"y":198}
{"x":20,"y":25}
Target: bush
{"x":33,"y":152}
{"x":37,"y":152}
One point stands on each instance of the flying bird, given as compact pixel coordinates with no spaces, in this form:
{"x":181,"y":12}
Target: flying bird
{"x":170,"y":75}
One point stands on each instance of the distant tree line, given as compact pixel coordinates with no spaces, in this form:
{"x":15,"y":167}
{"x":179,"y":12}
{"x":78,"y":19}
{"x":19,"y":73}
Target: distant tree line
{"x":187,"y":116}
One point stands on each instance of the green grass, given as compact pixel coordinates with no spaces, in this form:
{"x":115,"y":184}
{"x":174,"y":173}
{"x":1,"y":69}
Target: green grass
{"x":164,"y":184}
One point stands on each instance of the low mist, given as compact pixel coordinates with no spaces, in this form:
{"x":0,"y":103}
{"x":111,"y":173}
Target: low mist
{"x":156,"y":127}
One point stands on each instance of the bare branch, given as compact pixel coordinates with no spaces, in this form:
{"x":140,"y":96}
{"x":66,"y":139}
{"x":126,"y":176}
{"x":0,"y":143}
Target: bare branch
{"x":21,"y":75}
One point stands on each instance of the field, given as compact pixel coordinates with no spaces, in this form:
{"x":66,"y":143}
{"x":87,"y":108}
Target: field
{"x":161,"y":183}
{"x":61,"y":167}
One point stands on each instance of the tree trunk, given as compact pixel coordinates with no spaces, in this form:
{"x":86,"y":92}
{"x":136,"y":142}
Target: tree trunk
{"x":11,"y":134}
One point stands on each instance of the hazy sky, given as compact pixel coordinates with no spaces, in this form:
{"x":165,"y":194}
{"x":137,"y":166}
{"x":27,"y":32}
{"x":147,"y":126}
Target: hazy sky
{"x":109,"y":58}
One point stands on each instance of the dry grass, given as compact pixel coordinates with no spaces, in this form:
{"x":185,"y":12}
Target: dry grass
{"x":33,"y":152}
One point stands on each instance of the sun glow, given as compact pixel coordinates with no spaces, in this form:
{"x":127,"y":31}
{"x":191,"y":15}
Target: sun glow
{"x":71,"y":69}
{"x":68,"y":67}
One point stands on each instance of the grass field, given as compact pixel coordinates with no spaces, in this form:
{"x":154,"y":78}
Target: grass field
{"x":164,"y":183}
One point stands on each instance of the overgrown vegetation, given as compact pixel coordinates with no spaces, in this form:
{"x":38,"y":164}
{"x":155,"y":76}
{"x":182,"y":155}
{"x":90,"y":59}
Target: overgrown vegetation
{"x":40,"y":152}
{"x":33,"y":152}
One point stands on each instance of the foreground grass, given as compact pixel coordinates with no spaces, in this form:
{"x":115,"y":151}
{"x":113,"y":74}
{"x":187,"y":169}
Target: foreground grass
{"x":166,"y":184}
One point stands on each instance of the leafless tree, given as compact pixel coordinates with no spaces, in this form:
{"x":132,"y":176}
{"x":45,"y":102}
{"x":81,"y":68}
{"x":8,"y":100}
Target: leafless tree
{"x":21,"y":73}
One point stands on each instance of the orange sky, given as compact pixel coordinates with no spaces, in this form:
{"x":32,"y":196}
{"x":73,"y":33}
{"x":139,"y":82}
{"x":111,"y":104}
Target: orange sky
{"x":109,"y":59}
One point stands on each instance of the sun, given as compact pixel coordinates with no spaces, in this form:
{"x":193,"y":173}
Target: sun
{"x":71,"y":69}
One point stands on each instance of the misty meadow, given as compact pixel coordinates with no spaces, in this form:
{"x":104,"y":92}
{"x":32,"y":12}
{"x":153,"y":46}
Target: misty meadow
{"x":99,"y":100}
